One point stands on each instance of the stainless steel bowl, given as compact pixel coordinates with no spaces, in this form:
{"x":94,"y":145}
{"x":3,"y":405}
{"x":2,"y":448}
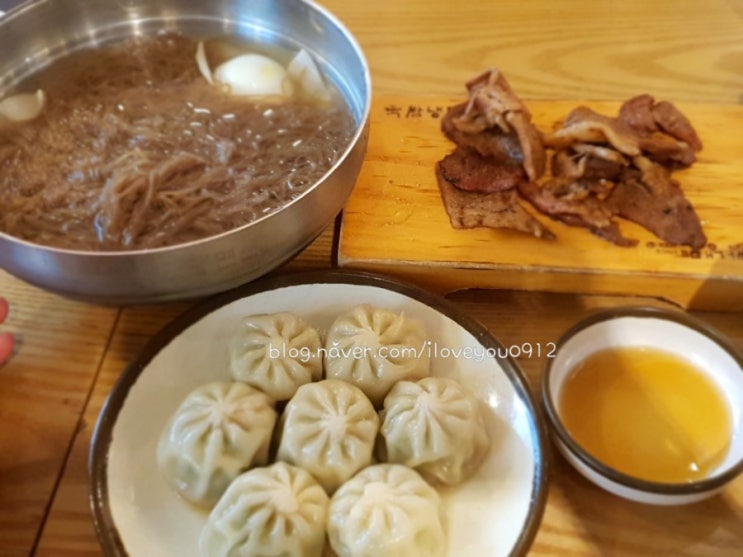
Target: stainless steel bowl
{"x":41,"y":31}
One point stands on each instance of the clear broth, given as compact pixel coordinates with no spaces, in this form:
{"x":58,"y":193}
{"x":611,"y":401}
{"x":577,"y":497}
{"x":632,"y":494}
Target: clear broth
{"x":648,"y":413}
{"x":134,"y":149}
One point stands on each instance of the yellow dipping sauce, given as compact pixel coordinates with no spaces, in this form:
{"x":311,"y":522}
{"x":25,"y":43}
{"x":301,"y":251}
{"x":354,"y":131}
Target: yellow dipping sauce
{"x":647,"y":413}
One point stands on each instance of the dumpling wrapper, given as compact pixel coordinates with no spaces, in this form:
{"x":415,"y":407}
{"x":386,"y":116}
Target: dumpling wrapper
{"x":218,"y":431}
{"x":276,"y":353}
{"x":328,"y":428}
{"x":277,"y":510}
{"x":436,"y":427}
{"x":374,"y":348}
{"x":387,"y":510}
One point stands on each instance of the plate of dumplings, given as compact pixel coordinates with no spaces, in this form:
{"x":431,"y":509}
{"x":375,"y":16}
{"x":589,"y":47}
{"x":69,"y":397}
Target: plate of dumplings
{"x":328,"y":414}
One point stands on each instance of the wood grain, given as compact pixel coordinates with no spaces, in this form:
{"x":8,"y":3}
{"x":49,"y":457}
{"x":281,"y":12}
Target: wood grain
{"x":43,"y":389}
{"x":579,"y":49}
{"x":69,"y":529}
{"x":395,"y":221}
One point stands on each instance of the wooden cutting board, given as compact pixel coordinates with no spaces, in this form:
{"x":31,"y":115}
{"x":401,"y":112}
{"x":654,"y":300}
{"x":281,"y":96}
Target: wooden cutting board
{"x":395,"y":222}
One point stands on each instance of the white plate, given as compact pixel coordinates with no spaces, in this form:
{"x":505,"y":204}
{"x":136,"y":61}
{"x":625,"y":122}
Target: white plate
{"x":495,"y":513}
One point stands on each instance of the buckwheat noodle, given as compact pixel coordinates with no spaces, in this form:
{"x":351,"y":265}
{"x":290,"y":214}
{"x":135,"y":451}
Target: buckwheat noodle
{"x":135,"y":149}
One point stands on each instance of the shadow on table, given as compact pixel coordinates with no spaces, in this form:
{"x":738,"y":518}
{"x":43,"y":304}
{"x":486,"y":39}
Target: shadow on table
{"x":621,"y":528}
{"x":723,"y":291}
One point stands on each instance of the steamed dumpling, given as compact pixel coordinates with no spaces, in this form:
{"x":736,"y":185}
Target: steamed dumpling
{"x":435,"y":426}
{"x":374,"y":348}
{"x":278,"y":511}
{"x":218,"y":431}
{"x":386,"y":510}
{"x":276,"y":353}
{"x":329,"y":428}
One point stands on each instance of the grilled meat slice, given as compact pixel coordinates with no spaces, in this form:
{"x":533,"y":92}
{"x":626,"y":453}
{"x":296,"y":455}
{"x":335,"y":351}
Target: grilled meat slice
{"x":493,"y":108}
{"x":493,"y":144}
{"x":584,"y":125}
{"x":637,"y":113}
{"x":468,"y":171}
{"x":649,"y":196}
{"x":666,"y":150}
{"x":500,"y":209}
{"x":585,"y":160}
{"x":575,"y":204}
{"x":674,"y":123}
{"x":666,"y":135}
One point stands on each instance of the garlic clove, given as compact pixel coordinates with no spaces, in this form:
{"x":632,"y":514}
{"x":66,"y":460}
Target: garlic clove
{"x":22,"y":107}
{"x":305,"y":72}
{"x":254,"y":74}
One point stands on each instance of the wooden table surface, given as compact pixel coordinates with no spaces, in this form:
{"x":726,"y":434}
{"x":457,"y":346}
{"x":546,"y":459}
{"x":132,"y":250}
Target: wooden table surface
{"x":70,"y":354}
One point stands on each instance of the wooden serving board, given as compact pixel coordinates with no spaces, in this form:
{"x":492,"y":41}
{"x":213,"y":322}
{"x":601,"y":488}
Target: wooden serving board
{"x":395,"y":221}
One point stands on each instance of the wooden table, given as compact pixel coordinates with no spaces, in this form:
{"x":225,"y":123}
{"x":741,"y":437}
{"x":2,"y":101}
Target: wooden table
{"x":71,"y":353}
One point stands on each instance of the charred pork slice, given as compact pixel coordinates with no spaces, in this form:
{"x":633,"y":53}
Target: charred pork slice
{"x":493,"y":108}
{"x":581,"y":210}
{"x":493,"y":143}
{"x":530,"y":140}
{"x":648,"y":196}
{"x":584,"y":125}
{"x":466,"y":170}
{"x":637,"y":113}
{"x":501,"y":209}
{"x":666,"y":150}
{"x":490,"y":99}
{"x":591,"y":162}
{"x":665,"y":135}
{"x":643,"y":114}
{"x":672,"y":121}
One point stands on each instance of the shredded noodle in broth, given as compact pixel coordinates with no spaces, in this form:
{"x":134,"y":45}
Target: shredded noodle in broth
{"x":134,"y":149}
